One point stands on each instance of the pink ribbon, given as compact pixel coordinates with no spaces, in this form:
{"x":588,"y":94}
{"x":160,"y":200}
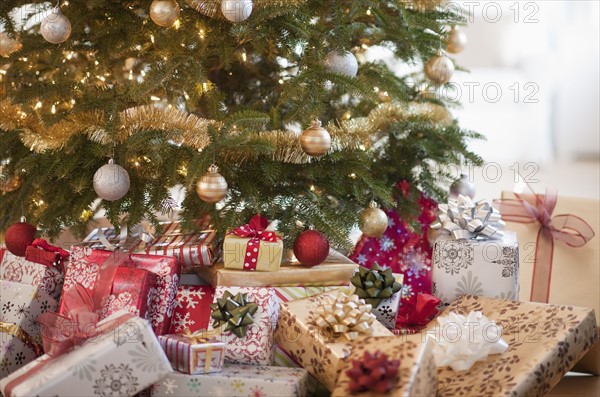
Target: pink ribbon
{"x":255,"y":230}
{"x":570,"y":229}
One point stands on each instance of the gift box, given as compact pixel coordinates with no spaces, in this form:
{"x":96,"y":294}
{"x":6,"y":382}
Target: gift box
{"x":550,"y":268}
{"x":47,"y":278}
{"x":145,"y":284}
{"x":20,"y":339}
{"x":121,"y":361}
{"x":236,"y":381}
{"x":286,"y":294}
{"x":192,"y":308}
{"x":192,"y":353}
{"x":316,"y":348}
{"x":247,"y":317}
{"x":414,"y":374}
{"x":544,"y":342}
{"x":336,"y":270}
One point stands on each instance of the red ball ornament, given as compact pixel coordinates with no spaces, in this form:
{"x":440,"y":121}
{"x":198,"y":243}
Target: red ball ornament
{"x":19,"y":236}
{"x":311,"y":247}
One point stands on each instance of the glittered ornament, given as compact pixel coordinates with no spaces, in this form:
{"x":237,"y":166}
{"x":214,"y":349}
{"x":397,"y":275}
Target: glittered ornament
{"x":8,"y":45}
{"x":462,"y":186}
{"x":111,"y":181}
{"x":19,"y":236}
{"x":236,"y":10}
{"x":373,"y":221}
{"x":311,"y":248}
{"x":164,"y":13}
{"x":315,"y":140}
{"x":55,"y":28}
{"x":456,"y":41}
{"x":341,"y":62}
{"x":439,"y":69}
{"x":212,"y":187}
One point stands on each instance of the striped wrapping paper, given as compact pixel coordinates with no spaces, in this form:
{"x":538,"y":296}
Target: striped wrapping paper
{"x":193,"y":358}
{"x":286,"y":294}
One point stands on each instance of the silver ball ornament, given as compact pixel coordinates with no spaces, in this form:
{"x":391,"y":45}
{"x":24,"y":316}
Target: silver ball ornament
{"x":439,"y":69}
{"x":164,"y":13}
{"x":373,"y":221}
{"x":111,"y":181}
{"x":462,"y":186}
{"x":456,"y":41}
{"x":56,"y":28}
{"x":342,"y":62}
{"x":236,"y":10}
{"x":315,"y":140}
{"x":212,"y":187}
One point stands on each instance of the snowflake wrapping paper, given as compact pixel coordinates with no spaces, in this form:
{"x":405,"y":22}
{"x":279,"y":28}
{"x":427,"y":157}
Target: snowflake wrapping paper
{"x":417,"y":375}
{"x":193,"y":356}
{"x":258,"y":346}
{"x":236,"y":381}
{"x":120,"y":362}
{"x":315,"y":349}
{"x":476,"y":267}
{"x":192,"y":308}
{"x":544,"y":342}
{"x":18,"y":269}
{"x":158,"y":296}
{"x":20,"y":339}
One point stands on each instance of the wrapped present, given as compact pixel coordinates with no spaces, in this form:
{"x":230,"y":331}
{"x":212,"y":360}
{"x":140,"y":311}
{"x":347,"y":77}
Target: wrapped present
{"x":378,"y":366}
{"x":558,"y":263}
{"x":21,"y":270}
{"x":40,"y":251}
{"x":544,"y":342}
{"x":192,"y":353}
{"x":253,"y":248}
{"x":192,"y":308}
{"x":318,"y":336}
{"x":20,"y":337}
{"x":336,"y":270}
{"x":236,"y":381}
{"x":247,"y":318}
{"x":286,"y":294}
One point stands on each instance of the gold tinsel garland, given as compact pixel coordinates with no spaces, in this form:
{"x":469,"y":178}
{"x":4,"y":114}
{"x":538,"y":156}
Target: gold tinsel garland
{"x":212,"y":8}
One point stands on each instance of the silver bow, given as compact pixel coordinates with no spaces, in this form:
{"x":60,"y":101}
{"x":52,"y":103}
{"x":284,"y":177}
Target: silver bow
{"x":464,"y":219}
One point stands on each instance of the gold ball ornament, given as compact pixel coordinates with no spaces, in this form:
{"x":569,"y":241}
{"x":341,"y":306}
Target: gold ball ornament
{"x":315,"y":140}
{"x":439,"y":69}
{"x":8,"y":45}
{"x":373,"y":221}
{"x":236,"y":10}
{"x":111,"y":181}
{"x":212,"y":187}
{"x":55,"y":28}
{"x":9,"y":183}
{"x":456,"y":41}
{"x":164,"y":13}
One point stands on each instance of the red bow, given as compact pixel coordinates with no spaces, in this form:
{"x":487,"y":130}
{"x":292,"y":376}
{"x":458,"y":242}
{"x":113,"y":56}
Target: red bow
{"x":256,"y":230}
{"x":569,"y":229}
{"x":425,"y":309}
{"x":40,"y":251}
{"x":373,"y":372}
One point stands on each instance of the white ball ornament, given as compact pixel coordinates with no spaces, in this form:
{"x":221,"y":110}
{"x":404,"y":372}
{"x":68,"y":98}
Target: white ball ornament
{"x":164,"y":13}
{"x":342,"y":62}
{"x":236,"y":10}
{"x":111,"y":181}
{"x":55,"y":28}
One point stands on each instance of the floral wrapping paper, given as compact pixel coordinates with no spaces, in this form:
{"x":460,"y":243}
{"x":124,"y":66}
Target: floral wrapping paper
{"x":193,"y":357}
{"x":313,"y":386}
{"x":315,"y":349}
{"x":476,"y":267}
{"x":236,"y":381}
{"x":21,"y":304}
{"x":192,"y":308}
{"x":85,"y":263}
{"x":121,"y":362}
{"x":258,"y":346}
{"x":417,"y":375}
{"x":20,"y":270}
{"x":544,"y":342}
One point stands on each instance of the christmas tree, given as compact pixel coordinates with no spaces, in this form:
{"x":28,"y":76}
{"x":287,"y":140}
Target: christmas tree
{"x":166,"y":90}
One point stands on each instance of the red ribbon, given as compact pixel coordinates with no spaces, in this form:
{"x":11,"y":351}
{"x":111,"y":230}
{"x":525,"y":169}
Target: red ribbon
{"x":569,"y":229}
{"x":40,"y":251}
{"x":425,"y":309}
{"x":255,"y":230}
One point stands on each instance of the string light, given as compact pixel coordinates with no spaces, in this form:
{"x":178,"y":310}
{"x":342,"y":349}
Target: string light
{"x":152,"y":38}
{"x":201,"y":34}
{"x":244,"y":56}
{"x":369,"y":11}
{"x":177,"y":24}
{"x":53,"y":110}
{"x":154,"y":98}
{"x":38,"y":105}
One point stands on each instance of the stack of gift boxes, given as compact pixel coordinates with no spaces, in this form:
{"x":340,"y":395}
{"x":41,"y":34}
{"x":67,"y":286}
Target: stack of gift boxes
{"x":164,"y":315}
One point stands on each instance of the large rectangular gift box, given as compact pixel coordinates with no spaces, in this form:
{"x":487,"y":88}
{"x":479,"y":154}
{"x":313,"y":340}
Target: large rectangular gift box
{"x":122,"y":361}
{"x":236,"y":381}
{"x":14,"y":268}
{"x":544,"y":342}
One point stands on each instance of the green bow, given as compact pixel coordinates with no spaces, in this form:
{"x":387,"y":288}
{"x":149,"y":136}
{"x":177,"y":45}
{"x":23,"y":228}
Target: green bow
{"x":234,"y":311}
{"x":373,"y":285}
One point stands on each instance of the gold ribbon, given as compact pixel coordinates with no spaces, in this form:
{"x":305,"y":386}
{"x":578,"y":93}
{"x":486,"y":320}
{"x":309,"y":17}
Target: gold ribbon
{"x":347,"y":316}
{"x":19,"y":333}
{"x":200,"y":336}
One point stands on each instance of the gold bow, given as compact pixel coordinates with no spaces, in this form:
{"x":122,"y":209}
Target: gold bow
{"x":347,"y":316}
{"x":19,"y":333}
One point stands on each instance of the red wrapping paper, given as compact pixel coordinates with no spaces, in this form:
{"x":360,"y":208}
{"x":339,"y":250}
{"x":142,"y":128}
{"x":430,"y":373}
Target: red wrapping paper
{"x":192,"y":308}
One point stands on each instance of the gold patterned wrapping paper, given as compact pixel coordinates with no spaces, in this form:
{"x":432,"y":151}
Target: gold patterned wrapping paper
{"x":316,"y":350}
{"x":417,"y":375}
{"x":544,"y":342}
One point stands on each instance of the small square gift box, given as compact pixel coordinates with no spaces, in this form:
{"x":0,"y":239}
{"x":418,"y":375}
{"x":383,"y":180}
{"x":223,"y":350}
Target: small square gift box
{"x":474,"y":257}
{"x":193,"y":353}
{"x":246,"y":318}
{"x":252,"y":247}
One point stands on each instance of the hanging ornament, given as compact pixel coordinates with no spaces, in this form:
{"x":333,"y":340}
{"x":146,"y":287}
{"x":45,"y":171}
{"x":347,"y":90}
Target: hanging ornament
{"x":56,"y":28}
{"x":212,"y":187}
{"x":456,"y":41}
{"x":236,"y":10}
{"x":164,"y":13}
{"x":111,"y":181}
{"x":373,"y":221}
{"x":341,"y":62}
{"x":462,"y":186}
{"x":311,"y":248}
{"x":315,"y":140}
{"x":8,"y":183}
{"x":19,"y":236}
{"x":439,"y":69}
{"x":8,"y":45}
